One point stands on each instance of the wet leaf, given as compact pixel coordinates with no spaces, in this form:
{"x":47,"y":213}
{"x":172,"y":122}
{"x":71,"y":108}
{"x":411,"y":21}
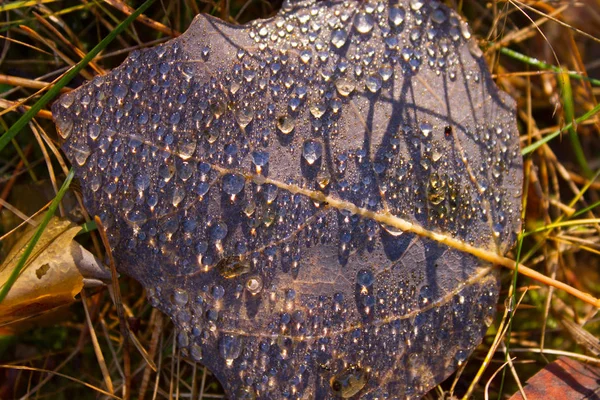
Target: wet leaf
{"x":50,"y":279}
{"x":298,"y":194}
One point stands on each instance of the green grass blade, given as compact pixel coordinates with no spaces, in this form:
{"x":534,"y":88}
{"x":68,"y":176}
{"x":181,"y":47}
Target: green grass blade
{"x":36,"y":237}
{"x":567,"y":99}
{"x":545,"y":66}
{"x":15,"y":5}
{"x":534,"y":146}
{"x":54,"y":90}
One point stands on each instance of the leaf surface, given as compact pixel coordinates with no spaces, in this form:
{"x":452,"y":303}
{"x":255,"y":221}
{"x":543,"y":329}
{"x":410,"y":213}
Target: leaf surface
{"x":302,"y":195}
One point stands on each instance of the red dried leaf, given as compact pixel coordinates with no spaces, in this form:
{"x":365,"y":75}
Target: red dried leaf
{"x":564,"y":379}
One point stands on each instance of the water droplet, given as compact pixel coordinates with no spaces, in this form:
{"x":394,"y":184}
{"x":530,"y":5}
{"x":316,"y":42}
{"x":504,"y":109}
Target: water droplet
{"x":286,"y":124}
{"x":349,"y":382}
{"x":339,"y":37}
{"x":460,"y":357}
{"x":345,"y":86}
{"x":218,"y":231}
{"x":244,"y":116}
{"x":363,"y":23}
{"x":120,"y":91}
{"x":233,"y":184}
{"x":396,"y":16}
{"x":373,"y":83}
{"x":180,"y":297}
{"x":425,"y":128}
{"x":82,"y":152}
{"x":317,"y":110}
{"x":438,"y":16}
{"x":230,"y":348}
{"x":365,"y":278}
{"x":416,"y":5}
{"x":196,"y":352}
{"x":260,"y":158}
{"x":312,"y":151}
{"x":254,"y":285}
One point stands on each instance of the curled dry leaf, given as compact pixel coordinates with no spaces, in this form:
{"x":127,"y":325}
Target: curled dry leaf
{"x":50,"y":279}
{"x":286,"y":192}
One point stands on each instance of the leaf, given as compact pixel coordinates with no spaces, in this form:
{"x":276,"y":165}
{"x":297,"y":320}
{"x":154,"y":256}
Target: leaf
{"x":304,"y":195}
{"x":50,"y":279}
{"x":563,"y":379}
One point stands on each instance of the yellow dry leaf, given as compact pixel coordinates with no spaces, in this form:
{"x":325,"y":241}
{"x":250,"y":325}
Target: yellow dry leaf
{"x":50,"y":278}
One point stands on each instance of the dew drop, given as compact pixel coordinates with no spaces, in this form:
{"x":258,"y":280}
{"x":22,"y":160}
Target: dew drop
{"x":180,"y":297}
{"x":373,"y":83}
{"x":230,"y":348}
{"x":317,"y":110}
{"x":339,"y":37}
{"x":312,"y":151}
{"x":349,"y":382}
{"x":397,"y":16}
{"x":244,"y":115}
{"x":425,"y":128}
{"x":233,"y":184}
{"x":365,"y":278}
{"x":286,"y":124}
{"x":82,"y":152}
{"x":254,"y":285}
{"x":218,"y":231}
{"x":345,"y":86}
{"x":363,"y":23}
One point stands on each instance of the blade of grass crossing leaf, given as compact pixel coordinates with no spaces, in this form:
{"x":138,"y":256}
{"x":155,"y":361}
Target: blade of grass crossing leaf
{"x":542,"y":65}
{"x":534,"y":146}
{"x":54,"y":90}
{"x":567,"y":98}
{"x":36,"y":237}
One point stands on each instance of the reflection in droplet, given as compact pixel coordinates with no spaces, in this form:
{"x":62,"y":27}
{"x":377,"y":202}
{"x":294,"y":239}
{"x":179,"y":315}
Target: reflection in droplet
{"x":312,"y":151}
{"x":397,"y":16}
{"x":373,"y":83}
{"x":363,"y":23}
{"x":339,"y":37}
{"x":230,"y":348}
{"x":345,"y":86}
{"x":254,"y":285}
{"x":233,"y":183}
{"x":286,"y":124}
{"x":349,"y":382}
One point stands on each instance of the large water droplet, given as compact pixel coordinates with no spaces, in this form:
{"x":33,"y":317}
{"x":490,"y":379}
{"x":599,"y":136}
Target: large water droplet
{"x":312,"y":151}
{"x":230,"y":348}
{"x":397,"y":16}
{"x":339,"y":37}
{"x":218,"y":231}
{"x":82,"y":152}
{"x":317,"y":109}
{"x":373,"y":83}
{"x":349,"y":382}
{"x":233,"y":183}
{"x":425,"y":128}
{"x":254,"y":285}
{"x":365,"y":278}
{"x":286,"y":124}
{"x":244,"y":116}
{"x":363,"y":23}
{"x":345,"y":86}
